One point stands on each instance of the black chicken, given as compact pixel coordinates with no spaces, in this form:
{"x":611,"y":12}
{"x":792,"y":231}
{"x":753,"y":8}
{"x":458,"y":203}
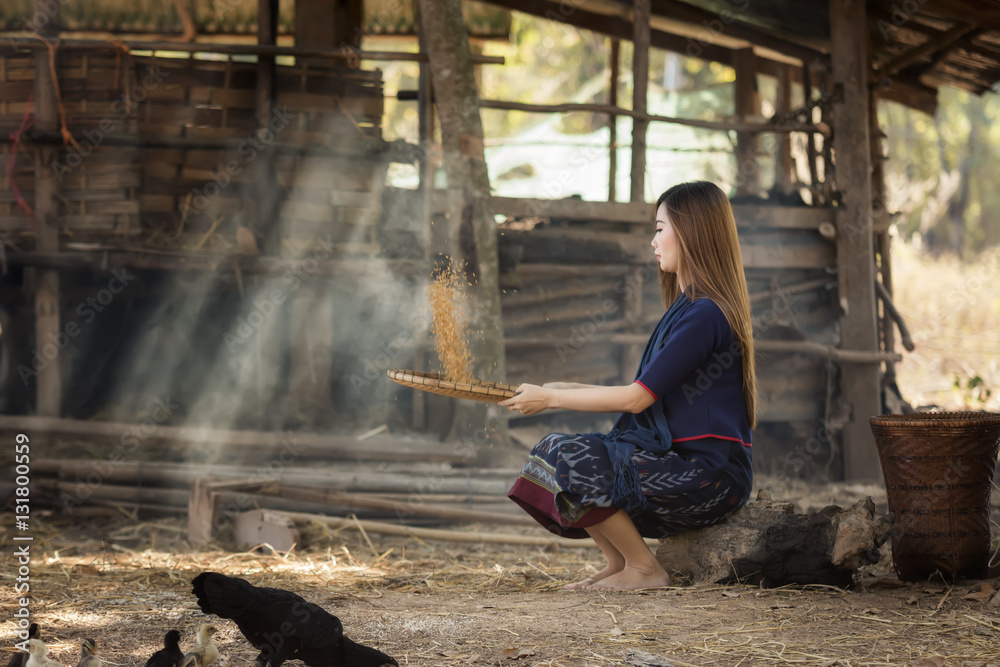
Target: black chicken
{"x":171,"y":654}
{"x":282,"y":625}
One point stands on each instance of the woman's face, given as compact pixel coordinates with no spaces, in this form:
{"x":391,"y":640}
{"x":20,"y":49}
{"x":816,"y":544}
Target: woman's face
{"x":664,"y":242}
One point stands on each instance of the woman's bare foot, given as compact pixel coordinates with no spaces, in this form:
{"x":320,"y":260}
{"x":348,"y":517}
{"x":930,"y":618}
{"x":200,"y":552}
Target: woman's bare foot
{"x":632,"y":578}
{"x":579,"y":585}
{"x":609,"y":569}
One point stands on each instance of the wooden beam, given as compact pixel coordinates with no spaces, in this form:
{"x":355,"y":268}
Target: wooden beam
{"x":148,"y":259}
{"x":747,"y":103}
{"x":335,"y":53}
{"x":909,"y":93}
{"x":941,"y":42}
{"x":293,"y":445}
{"x":48,"y":329}
{"x":615,"y":26}
{"x":683,"y":11}
{"x":855,"y":251}
{"x":724,"y":126}
{"x":396,"y":151}
{"x":640,"y":84}
{"x":747,"y":215}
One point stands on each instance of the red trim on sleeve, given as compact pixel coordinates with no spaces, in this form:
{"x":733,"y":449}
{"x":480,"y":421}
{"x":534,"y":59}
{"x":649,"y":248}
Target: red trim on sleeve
{"x":648,"y":389}
{"x":712,"y":435}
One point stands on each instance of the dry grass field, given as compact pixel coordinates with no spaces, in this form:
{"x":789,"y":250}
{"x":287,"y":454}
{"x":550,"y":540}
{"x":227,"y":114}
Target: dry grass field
{"x":953,"y":311}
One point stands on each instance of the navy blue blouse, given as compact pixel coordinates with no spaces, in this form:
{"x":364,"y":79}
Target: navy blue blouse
{"x":698,"y":375}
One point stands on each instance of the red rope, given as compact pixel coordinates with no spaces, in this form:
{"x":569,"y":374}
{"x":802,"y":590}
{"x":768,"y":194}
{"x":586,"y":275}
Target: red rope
{"x":15,"y":137}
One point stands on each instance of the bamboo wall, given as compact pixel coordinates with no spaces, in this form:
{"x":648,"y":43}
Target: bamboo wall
{"x":195,"y":179}
{"x":98,"y":183}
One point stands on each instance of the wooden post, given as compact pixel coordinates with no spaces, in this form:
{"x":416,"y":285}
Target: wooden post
{"x":855,"y":254}
{"x":615,"y":66}
{"x":203,"y":503}
{"x":783,"y":165}
{"x":47,"y":315}
{"x":882,"y":240}
{"x":747,"y":104}
{"x":265,"y":213}
{"x":457,"y":100}
{"x":807,"y":91}
{"x":640,"y":83}
{"x":426,"y":165}
{"x":328,"y":23}
{"x":320,"y":24}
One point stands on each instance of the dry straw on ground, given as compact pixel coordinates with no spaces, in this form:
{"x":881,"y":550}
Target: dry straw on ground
{"x":125,"y":583}
{"x":450,"y":326}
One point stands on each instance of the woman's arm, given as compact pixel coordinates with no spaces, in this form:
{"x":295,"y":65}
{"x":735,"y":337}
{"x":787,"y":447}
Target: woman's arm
{"x":532,"y":399}
{"x":569,"y":385}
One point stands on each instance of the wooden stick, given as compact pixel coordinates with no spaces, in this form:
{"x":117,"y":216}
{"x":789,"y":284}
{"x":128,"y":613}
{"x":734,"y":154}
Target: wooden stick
{"x":406,"y":486}
{"x":395,"y":151}
{"x":890,"y":309}
{"x":292,"y":446}
{"x":800,"y":347}
{"x":442,"y":535}
{"x":725,"y":125}
{"x":420,"y":508}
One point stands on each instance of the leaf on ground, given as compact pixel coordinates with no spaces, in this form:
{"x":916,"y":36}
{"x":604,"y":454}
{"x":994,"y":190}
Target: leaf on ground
{"x":948,"y":619}
{"x":643,"y":659}
{"x":933,"y":661}
{"x":616,"y":632}
{"x":517,"y":653}
{"x":984,"y":593}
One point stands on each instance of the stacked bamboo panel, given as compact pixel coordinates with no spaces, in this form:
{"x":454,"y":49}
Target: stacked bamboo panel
{"x":174,"y":143}
{"x":97,"y":182}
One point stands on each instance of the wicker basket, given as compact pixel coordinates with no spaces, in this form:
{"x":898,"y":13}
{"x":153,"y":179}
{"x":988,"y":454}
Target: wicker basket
{"x":477,"y":390}
{"x":938,"y":469}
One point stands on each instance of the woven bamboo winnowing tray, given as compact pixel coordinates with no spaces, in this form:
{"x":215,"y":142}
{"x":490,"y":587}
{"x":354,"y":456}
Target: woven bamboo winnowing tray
{"x":477,"y":390}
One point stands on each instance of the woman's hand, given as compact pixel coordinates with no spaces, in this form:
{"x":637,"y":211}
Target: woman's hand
{"x":530,"y":399}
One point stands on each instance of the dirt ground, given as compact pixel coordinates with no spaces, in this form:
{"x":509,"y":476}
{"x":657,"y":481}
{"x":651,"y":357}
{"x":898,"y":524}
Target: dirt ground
{"x":125,"y":582}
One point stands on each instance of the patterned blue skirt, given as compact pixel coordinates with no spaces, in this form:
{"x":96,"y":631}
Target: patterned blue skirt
{"x":566,"y":484}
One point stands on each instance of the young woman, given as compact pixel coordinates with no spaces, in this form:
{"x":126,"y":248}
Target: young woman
{"x":678,"y":457}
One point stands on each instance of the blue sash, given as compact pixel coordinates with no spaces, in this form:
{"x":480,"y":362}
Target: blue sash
{"x":647,"y":430}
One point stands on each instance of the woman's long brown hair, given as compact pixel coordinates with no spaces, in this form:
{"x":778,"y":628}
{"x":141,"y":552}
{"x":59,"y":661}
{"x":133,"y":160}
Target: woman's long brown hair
{"x":712,"y":266}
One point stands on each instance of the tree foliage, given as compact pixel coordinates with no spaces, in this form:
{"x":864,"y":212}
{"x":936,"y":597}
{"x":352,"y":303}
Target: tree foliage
{"x":941,"y":171}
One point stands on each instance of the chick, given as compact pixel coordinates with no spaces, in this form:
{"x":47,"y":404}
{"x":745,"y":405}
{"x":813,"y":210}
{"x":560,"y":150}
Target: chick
{"x":205,"y":652}
{"x":38,"y":655}
{"x":19,"y":658}
{"x":88,"y":654}
{"x":170,"y":655}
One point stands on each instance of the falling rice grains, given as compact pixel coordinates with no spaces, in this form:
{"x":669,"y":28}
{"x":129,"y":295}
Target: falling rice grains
{"x":449,"y":326}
